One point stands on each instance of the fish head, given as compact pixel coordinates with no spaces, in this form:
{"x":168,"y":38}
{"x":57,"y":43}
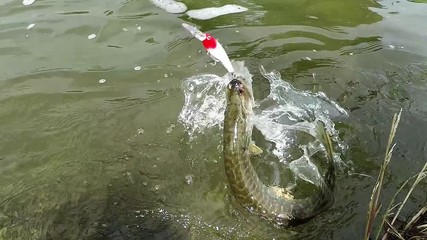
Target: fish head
{"x":239,"y":95}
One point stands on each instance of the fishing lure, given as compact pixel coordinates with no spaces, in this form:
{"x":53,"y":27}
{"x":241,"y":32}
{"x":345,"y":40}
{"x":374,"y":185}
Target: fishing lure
{"x":212,"y":46}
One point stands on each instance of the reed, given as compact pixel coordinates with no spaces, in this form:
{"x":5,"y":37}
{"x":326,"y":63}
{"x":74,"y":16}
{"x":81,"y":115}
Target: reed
{"x":416,"y":227}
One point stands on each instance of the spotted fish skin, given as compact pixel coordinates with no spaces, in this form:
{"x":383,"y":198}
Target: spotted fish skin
{"x":272,"y":203}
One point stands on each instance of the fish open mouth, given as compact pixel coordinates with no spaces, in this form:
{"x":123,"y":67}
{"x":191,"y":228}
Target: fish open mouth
{"x":236,"y":85}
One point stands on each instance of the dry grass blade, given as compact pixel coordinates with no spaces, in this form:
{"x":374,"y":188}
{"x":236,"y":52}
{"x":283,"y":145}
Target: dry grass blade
{"x":391,"y":207}
{"x":421,"y":175}
{"x":376,"y":192}
{"x":415,"y":218}
{"x":422,"y":228}
{"x":394,"y":231}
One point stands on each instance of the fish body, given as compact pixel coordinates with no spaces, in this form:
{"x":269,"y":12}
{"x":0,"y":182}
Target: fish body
{"x":214,"y":49}
{"x":272,"y":203}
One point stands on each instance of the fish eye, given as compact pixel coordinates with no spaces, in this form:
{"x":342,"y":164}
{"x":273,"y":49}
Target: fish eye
{"x":208,"y":37}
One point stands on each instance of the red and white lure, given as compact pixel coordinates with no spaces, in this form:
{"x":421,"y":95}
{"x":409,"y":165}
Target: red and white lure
{"x":212,"y":46}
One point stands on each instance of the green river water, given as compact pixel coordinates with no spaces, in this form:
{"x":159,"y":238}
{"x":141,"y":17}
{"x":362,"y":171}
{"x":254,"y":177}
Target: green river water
{"x":80,"y":159}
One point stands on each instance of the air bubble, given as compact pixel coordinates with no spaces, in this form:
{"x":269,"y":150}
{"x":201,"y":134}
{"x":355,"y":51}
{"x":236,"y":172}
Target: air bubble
{"x":189,"y":179}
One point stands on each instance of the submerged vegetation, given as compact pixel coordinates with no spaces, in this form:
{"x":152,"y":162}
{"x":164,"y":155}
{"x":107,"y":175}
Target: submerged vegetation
{"x":390,"y":227}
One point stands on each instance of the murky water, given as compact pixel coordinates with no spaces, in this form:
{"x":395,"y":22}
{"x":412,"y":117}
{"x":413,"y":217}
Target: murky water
{"x":86,"y":158}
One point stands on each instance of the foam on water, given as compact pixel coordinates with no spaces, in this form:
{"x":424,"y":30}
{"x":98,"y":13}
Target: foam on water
{"x":28,"y":2}
{"x":213,"y":12}
{"x":205,"y":100}
{"x":170,"y":6}
{"x":285,"y":112}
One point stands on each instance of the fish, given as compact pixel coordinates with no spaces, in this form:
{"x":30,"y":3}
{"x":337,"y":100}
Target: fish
{"x":213,"y":48}
{"x":273,"y":203}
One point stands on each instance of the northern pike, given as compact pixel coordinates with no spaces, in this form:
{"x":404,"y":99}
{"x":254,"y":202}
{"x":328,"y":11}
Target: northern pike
{"x":272,"y":203}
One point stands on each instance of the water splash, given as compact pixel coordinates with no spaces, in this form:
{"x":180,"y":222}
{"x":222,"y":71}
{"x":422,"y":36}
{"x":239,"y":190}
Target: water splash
{"x":280,"y":117}
{"x":287,"y":110}
{"x":205,"y":100}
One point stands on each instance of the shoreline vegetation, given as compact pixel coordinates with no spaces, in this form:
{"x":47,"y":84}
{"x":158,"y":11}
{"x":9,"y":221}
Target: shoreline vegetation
{"x":390,"y":227}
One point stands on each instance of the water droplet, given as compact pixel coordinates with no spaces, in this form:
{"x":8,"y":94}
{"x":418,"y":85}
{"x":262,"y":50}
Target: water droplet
{"x":144,"y":183}
{"x":166,"y":75}
{"x":28,"y":2}
{"x":391,"y":46}
{"x":157,"y":187}
{"x":237,"y":31}
{"x":137,"y":68}
{"x":189,"y":179}
{"x":139,"y":28}
{"x":351,"y":54}
{"x":141,"y":131}
{"x":170,"y":128}
{"x":308,"y":58}
{"x":30,"y":26}
{"x":102,"y":80}
{"x":92,"y":36}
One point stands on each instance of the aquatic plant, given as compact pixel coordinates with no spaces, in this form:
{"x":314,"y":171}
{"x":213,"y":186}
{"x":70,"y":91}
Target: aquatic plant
{"x":416,"y":227}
